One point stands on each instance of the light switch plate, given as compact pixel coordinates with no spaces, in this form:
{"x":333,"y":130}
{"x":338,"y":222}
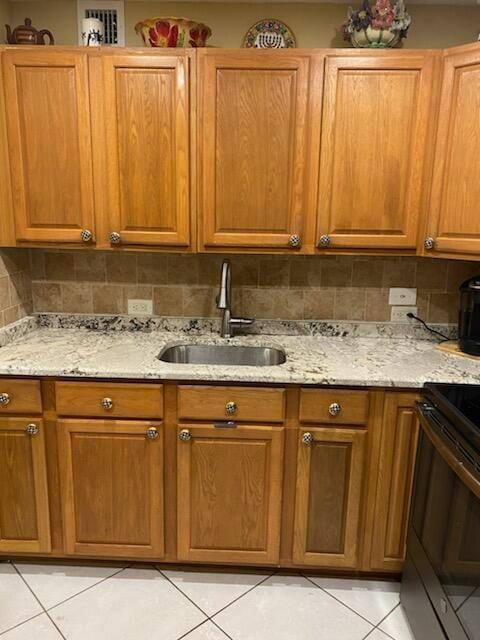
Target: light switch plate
{"x":140,"y":307}
{"x":399,"y":314}
{"x":402,"y":296}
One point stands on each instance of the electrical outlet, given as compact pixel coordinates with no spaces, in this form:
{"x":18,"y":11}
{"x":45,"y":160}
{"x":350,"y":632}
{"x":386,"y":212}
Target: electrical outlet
{"x":140,"y":307}
{"x":402,"y":296}
{"x":399,"y":314}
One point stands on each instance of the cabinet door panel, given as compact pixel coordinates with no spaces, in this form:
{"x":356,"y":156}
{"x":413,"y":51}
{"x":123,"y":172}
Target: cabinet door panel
{"x":454,"y":223}
{"x":329,"y":492}
{"x":258,"y":147}
{"x":49,"y":136}
{"x":375,"y":127}
{"x":112,"y":488}
{"x":145,"y":120}
{"x":24,"y":513}
{"x":229,"y":494}
{"x":391,"y":477}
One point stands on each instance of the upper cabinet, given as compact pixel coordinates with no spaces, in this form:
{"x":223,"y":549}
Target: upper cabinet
{"x":259,"y":117}
{"x":375,"y":131}
{"x":453,"y":228}
{"x":49,"y":141}
{"x":142,"y":129}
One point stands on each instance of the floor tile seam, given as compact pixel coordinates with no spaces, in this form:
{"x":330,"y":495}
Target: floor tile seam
{"x":19,"y":624}
{"x":241,"y":596}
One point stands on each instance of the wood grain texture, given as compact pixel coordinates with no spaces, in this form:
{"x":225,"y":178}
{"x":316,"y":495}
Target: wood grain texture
{"x":49,"y":136}
{"x":130,"y":400}
{"x":25,"y":396}
{"x":143,"y":119}
{"x":330,"y":479}
{"x":258,"y":404}
{"x":258,"y":146}
{"x":24,"y":512}
{"x":7,"y":224}
{"x":375,"y":128}
{"x":112,"y":488}
{"x":229,"y":494}
{"x":453,"y":221}
{"x":315,"y":403}
{"x":390,"y":482}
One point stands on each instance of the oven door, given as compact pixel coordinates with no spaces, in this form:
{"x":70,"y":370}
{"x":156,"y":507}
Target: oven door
{"x":444,"y":533}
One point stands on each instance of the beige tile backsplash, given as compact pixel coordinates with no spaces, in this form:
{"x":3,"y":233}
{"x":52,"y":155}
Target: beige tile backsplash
{"x":324,"y":288}
{"x":15,"y":285}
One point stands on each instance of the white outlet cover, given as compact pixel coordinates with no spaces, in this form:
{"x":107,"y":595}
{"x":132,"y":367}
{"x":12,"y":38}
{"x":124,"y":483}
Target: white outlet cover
{"x":399,"y":314}
{"x":402,"y":296}
{"x":140,"y":307}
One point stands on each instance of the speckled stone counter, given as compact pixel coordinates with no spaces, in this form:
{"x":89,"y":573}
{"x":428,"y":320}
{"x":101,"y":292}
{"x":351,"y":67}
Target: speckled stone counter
{"x":331,"y":354}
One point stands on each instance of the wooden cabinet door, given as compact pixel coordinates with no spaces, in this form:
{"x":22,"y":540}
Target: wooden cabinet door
{"x":390,"y":483}
{"x":24,"y":512}
{"x":111,"y":476}
{"x":49,"y":139}
{"x":258,"y":137}
{"x":376,"y":114}
{"x":330,"y":478}
{"x":142,"y":123}
{"x":229,"y":494}
{"x":454,"y":222}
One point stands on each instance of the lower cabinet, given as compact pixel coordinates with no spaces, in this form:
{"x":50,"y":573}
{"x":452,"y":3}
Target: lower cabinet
{"x":229,"y":489}
{"x":111,"y":475}
{"x":24,"y":513}
{"x":330,"y":479}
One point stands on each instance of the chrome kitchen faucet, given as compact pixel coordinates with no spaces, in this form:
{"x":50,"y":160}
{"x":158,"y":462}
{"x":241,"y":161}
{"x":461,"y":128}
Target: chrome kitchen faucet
{"x":224,"y":301}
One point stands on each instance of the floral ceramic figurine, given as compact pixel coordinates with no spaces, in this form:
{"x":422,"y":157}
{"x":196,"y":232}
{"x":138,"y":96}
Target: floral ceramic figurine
{"x":382,"y":25}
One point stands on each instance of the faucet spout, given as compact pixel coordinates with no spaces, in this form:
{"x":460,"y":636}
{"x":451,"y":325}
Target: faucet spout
{"x":224,"y":302}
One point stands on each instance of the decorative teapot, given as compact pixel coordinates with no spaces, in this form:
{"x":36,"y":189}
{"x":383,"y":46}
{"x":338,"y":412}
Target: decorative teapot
{"x":26,"y":34}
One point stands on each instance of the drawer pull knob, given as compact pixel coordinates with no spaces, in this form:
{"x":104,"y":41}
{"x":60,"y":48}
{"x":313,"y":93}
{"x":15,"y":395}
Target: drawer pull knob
{"x":184,"y":435}
{"x":86,"y":235}
{"x":115,"y":237}
{"x":107,"y":403}
{"x":429,"y":243}
{"x":4,"y":399}
{"x":324,"y":240}
{"x":152,"y":433}
{"x":334,"y":409}
{"x":294,"y":241}
{"x":231,"y":407}
{"x":32,"y":429}
{"x":307,"y":438}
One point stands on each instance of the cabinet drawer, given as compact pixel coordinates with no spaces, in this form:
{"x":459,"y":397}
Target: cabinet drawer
{"x":20,"y":396}
{"x":105,"y":399}
{"x":334,"y":405}
{"x":234,"y":403}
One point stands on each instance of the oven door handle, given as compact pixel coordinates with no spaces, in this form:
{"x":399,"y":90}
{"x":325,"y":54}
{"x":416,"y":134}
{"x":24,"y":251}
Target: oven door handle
{"x":445,"y":451}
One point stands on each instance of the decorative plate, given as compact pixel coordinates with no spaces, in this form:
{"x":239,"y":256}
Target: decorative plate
{"x":269,"y":34}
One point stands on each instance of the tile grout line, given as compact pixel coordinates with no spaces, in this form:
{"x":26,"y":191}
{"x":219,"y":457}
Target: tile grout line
{"x":384,"y":618}
{"x":37,"y":599}
{"x":15,"y":626}
{"x":241,"y":596}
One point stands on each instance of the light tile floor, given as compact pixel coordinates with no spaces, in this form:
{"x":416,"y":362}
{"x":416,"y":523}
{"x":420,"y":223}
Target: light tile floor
{"x":142,"y":602}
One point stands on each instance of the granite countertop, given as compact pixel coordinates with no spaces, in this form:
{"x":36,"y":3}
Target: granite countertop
{"x":329,"y":354}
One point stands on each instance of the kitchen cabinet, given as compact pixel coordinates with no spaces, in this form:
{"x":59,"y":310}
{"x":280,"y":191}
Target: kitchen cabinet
{"x":142,"y":137}
{"x":390,"y":484}
{"x":259,"y":118}
{"x":330,"y":480}
{"x":377,"y":116}
{"x":229,"y":492}
{"x":111,"y":476}
{"x":47,"y":102}
{"x":453,"y":228}
{"x":24,"y":509}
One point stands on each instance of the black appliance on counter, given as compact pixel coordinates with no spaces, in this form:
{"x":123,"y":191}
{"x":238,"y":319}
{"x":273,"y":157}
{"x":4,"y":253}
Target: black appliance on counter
{"x":441,"y":582}
{"x":469,"y":317}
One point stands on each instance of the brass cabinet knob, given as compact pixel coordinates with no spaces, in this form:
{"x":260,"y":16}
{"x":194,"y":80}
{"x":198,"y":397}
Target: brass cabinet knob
{"x":307,"y":438}
{"x":334,"y":409}
{"x":294,"y":241}
{"x":152,"y":433}
{"x":86,"y":235}
{"x":184,"y":435}
{"x":324,"y":240}
{"x":429,"y":243}
{"x":106,"y":403}
{"x":115,"y":237}
{"x":32,"y":429}
{"x":4,"y":399}
{"x":231,"y":407}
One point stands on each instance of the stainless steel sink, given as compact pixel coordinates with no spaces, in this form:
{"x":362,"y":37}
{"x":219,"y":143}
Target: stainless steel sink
{"x":224,"y":354}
